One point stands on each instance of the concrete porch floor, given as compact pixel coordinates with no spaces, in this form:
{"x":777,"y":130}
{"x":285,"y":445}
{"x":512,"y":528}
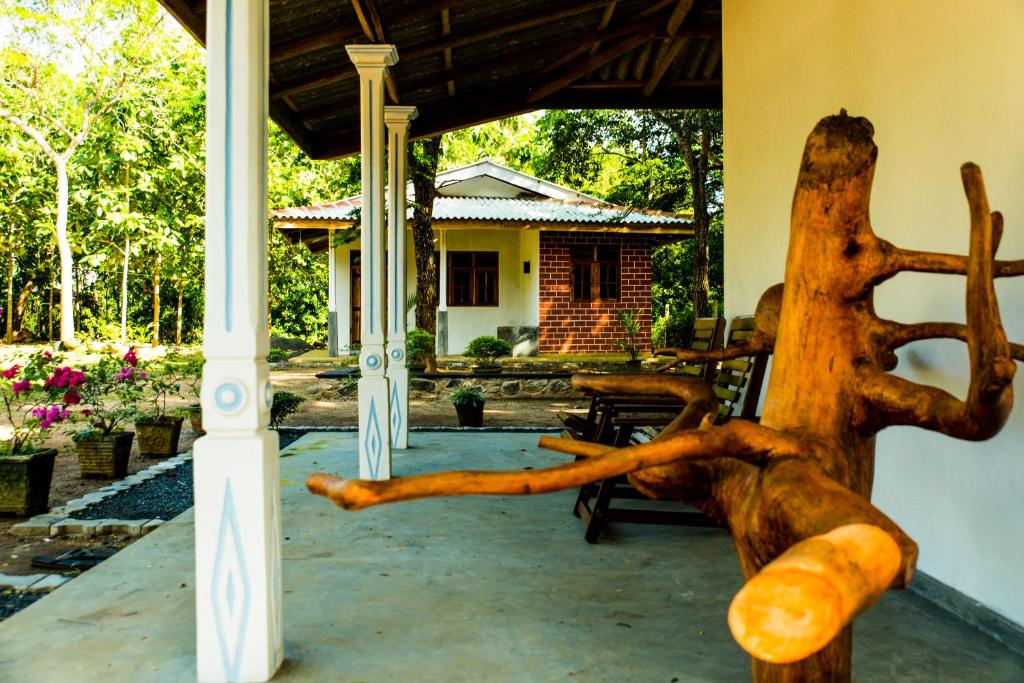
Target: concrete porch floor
{"x":465,"y":589}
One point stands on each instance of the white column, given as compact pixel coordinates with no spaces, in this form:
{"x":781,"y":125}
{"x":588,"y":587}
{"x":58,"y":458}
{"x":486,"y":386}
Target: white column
{"x":332,"y":297}
{"x":374,"y":398}
{"x":441,"y":333}
{"x":397,"y":120}
{"x":237,"y":479}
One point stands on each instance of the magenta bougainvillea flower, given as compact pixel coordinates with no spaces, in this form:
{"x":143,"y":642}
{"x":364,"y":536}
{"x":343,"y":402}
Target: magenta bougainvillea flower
{"x":131,"y":358}
{"x":48,"y":416}
{"x":11,"y":372}
{"x":22,"y":386}
{"x":65,"y":378}
{"x":71,"y":398}
{"x":125,"y":374}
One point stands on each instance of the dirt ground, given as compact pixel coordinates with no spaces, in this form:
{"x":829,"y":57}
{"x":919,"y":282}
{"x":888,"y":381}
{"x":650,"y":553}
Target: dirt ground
{"x":322,"y":408}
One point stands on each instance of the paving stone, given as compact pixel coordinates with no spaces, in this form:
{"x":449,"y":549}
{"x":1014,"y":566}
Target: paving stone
{"x":19,"y":583}
{"x":33,"y":527}
{"x":61,"y":528}
{"x":135,"y":526}
{"x":113,"y":526}
{"x":151,"y":525}
{"x":82,"y":527}
{"x":49,"y":583}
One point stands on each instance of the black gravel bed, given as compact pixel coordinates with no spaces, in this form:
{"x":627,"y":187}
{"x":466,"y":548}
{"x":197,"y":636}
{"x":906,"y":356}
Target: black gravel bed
{"x":165,"y":496}
{"x":13,"y":601}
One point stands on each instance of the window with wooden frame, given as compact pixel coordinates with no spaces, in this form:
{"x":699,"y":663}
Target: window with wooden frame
{"x":595,"y":273}
{"x":472,"y":278}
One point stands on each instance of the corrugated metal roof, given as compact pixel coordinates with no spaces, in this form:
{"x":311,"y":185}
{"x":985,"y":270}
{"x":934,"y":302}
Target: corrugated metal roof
{"x":502,"y":209}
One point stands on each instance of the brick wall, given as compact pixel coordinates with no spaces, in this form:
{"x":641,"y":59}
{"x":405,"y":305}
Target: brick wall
{"x":569,"y":326}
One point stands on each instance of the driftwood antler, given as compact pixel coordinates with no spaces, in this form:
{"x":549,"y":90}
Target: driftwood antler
{"x":794,"y":491}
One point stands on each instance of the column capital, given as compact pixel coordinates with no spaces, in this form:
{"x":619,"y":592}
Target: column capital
{"x":372,"y":56}
{"x":398,"y":116}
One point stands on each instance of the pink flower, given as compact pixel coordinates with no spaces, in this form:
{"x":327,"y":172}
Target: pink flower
{"x":11,"y":372}
{"x":65,"y":378}
{"x":71,"y":398}
{"x":23,"y":385}
{"x":86,"y":411}
{"x":48,"y":416}
{"x":47,"y":355}
{"x":131,"y":358}
{"x":125,"y":374}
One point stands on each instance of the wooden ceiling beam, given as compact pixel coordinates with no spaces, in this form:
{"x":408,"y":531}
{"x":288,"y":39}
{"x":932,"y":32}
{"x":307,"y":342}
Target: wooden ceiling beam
{"x":603,"y":24}
{"x":188,"y":17}
{"x":446,"y":29}
{"x":590,"y":64}
{"x":665,"y":59}
{"x":331,"y":37}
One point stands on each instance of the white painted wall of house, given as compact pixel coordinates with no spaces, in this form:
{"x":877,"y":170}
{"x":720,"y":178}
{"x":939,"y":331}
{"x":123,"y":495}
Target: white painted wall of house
{"x":941,"y":81}
{"x":518,"y":292}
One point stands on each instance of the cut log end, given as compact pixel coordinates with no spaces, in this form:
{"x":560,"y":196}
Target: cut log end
{"x":798,"y":603}
{"x":351,"y":495}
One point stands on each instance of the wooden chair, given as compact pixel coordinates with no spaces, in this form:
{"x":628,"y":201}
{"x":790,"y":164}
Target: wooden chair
{"x":706,"y":335}
{"x":737,"y":383}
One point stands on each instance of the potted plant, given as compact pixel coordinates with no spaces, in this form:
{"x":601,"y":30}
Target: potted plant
{"x":35,"y":396}
{"x":158,"y":429}
{"x":419,"y":348}
{"x":630,"y":321}
{"x":486,"y":350}
{"x":108,"y":400}
{"x":192,"y":382}
{"x":283,"y":404}
{"x":469,"y":406}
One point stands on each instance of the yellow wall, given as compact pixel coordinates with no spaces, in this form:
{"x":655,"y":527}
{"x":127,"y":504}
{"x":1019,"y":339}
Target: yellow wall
{"x":943,"y":83}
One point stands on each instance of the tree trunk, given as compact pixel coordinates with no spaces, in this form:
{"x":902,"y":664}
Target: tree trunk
{"x":697,"y":165}
{"x":10,"y":296}
{"x":49,"y":309}
{"x":156,"y":299}
{"x":67,"y":275}
{"x":424,"y":172}
{"x":124,"y":267}
{"x":18,"y":315}
{"x":177,"y":314}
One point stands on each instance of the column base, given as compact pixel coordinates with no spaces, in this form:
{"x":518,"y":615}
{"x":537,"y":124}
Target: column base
{"x":374,"y":428}
{"x":441,"y":338}
{"x":239,"y":634}
{"x":332,"y":334}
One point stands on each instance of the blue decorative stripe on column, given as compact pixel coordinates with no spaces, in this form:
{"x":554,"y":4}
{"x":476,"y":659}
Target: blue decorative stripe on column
{"x":396,"y":412}
{"x":374,"y":443}
{"x":230,"y":611}
{"x":229,"y":184}
{"x":368,"y":217}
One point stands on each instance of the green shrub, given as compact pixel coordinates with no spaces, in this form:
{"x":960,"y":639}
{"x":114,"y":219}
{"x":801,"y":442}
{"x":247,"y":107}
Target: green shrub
{"x":630,"y":321}
{"x":285,"y":403}
{"x":419,"y":344}
{"x":486,"y":349}
{"x":468,"y":396}
{"x":277,"y":356}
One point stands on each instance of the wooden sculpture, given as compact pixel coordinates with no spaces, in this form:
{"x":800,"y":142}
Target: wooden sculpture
{"x":794,"y":491}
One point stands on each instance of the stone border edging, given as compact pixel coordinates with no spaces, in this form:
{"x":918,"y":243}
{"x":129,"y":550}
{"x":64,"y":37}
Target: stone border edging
{"x":33,"y":583}
{"x":57,"y":522}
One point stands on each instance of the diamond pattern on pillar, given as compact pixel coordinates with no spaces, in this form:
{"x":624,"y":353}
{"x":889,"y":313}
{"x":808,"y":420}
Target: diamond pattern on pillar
{"x":373,"y":441}
{"x":396,"y":412}
{"x":230,"y":590}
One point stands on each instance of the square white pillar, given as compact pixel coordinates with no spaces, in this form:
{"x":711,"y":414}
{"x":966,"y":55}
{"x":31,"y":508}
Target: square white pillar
{"x":371,"y":62}
{"x":333,"y":320}
{"x":397,"y":120}
{"x":237,"y":479}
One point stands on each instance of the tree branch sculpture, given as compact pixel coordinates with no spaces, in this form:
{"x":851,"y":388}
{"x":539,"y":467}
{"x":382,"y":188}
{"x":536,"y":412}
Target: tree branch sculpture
{"x":794,"y":491}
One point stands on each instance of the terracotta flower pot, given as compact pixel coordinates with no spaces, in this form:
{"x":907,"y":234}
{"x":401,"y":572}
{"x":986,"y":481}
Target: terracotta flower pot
{"x":25,"y":482}
{"x":104,"y":456}
{"x":470,"y":415}
{"x":195,"y":418}
{"x":159,"y":438}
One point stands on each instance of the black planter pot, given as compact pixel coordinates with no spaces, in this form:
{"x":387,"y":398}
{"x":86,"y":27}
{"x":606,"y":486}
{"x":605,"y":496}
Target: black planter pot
{"x":470,"y":415}
{"x":25,"y":483}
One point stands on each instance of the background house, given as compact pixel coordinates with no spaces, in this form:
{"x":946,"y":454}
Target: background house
{"x":513,"y":251}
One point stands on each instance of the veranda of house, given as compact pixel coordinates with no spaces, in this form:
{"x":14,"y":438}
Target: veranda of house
{"x":491,"y":588}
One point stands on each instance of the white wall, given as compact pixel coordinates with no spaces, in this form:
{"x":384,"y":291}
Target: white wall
{"x":941,"y":81}
{"x":518,"y":293}
{"x":518,"y":296}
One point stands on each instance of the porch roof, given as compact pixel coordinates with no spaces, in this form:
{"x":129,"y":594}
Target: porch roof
{"x":462,"y":63}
